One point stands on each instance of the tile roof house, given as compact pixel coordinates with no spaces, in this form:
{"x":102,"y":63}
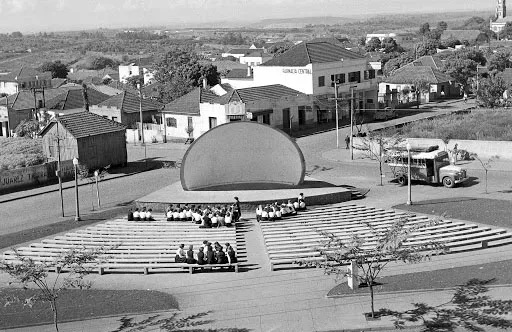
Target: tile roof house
{"x":201,"y":109}
{"x":125,"y":108}
{"x":441,"y":85}
{"x":74,"y":99}
{"x":94,"y":140}
{"x":24,"y":78}
{"x":427,"y":60}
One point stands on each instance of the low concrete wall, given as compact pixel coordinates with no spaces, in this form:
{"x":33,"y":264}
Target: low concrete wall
{"x":132,"y":135}
{"x":484,"y":149}
{"x":34,"y":175}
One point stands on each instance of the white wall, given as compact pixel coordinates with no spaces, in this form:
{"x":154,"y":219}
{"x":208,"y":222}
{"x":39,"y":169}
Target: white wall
{"x":298,"y":78}
{"x":201,"y":123}
{"x":127,"y":71}
{"x":238,"y":83}
{"x":9,"y":88}
{"x":341,"y":67}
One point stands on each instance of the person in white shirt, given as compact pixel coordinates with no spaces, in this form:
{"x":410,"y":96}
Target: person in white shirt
{"x":181,"y":256}
{"x":136,"y":215}
{"x":296,"y":205}
{"x":259,"y":209}
{"x":175,"y":215}
{"x":188,"y":214}
{"x":197,"y":217}
{"x":169,"y":214}
{"x":182,"y":215}
{"x":291,"y":208}
{"x":142,"y":214}
{"x":302,"y":201}
{"x":271,"y":213}
{"x":264,"y":214}
{"x":277,"y":212}
{"x":215,"y":220}
{"x":149,"y":216}
{"x":228,"y":219}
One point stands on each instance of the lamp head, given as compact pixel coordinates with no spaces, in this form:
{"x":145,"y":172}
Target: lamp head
{"x":408,"y":146}
{"x":75,"y":161}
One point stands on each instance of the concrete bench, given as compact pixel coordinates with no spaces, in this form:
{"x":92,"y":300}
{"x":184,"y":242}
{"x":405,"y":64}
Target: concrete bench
{"x":146,"y":268}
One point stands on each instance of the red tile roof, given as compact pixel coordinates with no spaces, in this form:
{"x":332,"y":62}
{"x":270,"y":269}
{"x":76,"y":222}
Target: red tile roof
{"x":189,"y":103}
{"x":75,"y":99}
{"x":410,"y":74}
{"x":312,"y":52}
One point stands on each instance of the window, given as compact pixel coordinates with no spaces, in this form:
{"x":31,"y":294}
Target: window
{"x":171,"y":122}
{"x":339,"y":78}
{"x":213,"y":122}
{"x":189,"y":122}
{"x":371,"y":73}
{"x":354,"y":77}
{"x":321,"y":80}
{"x":369,"y":101}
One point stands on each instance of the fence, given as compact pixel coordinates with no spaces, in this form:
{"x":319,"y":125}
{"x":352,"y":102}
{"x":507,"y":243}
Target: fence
{"x":34,"y":175}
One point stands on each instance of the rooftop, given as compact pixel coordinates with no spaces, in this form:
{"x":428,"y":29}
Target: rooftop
{"x":312,"y":52}
{"x":411,"y":74}
{"x":266,"y":92}
{"x":189,"y":103}
{"x":130,"y":103}
{"x":74,"y":98}
{"x":239,"y":73}
{"x":84,"y":124}
{"x":24,"y":73}
{"x":427,"y":60}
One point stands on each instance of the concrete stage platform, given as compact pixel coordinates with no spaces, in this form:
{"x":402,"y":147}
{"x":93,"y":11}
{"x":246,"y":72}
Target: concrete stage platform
{"x":316,"y":193}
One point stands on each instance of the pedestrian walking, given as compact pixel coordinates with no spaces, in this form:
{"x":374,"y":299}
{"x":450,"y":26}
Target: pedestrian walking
{"x":347,"y":142}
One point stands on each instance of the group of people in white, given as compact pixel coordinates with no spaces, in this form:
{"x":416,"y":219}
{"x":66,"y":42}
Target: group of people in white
{"x":142,"y":215}
{"x":207,"y":254}
{"x":205,"y":217}
{"x":275,"y":211}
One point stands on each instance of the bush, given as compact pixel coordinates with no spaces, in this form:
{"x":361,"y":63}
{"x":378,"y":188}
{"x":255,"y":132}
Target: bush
{"x":485,"y":125}
{"x":17,"y":152}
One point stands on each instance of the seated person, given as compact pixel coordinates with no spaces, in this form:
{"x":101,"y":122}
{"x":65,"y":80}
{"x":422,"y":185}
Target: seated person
{"x":181,"y":215}
{"x":130,"y":215}
{"x":228,"y":219}
{"x":271,"y":214}
{"x":302,"y":201}
{"x":142,"y":214}
{"x":180,"y":254}
{"x":197,"y":217}
{"x":149,"y":215}
{"x":277,"y":211}
{"x":264,"y":214}
{"x":285,"y":212}
{"x":291,"y":208}
{"x":188,"y":214}
{"x":296,"y":205}
{"x":210,"y":255}
{"x":169,"y":214}
{"x":231,"y":254}
{"x":220,"y":256}
{"x":206,"y":222}
{"x":215,"y":220}
{"x":175,"y":215}
{"x":200,"y":256}
{"x":221,"y":218}
{"x":217,"y":246}
{"x":136,"y":215}
{"x":190,"y":255}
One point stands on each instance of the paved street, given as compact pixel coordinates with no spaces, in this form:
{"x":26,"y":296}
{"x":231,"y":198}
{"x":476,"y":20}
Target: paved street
{"x":258,"y":299}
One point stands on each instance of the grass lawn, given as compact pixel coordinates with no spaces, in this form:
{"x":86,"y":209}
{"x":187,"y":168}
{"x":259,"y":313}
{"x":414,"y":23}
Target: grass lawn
{"x":493,"y":212}
{"x":82,"y":304}
{"x":481,"y":124}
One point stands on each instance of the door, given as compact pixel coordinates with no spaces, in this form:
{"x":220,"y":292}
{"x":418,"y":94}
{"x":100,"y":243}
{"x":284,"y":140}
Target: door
{"x":286,"y":119}
{"x":302,"y":116}
{"x":213,"y":122}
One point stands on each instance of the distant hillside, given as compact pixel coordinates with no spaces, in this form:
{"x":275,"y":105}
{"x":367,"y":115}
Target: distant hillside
{"x":300,"y":22}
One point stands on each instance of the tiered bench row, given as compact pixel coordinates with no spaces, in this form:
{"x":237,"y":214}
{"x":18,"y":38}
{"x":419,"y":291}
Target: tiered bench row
{"x":297,"y":238}
{"x":134,"y":246}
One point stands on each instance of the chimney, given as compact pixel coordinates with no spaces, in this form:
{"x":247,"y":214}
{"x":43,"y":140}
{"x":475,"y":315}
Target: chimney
{"x":205,"y":83}
{"x":249,"y":72}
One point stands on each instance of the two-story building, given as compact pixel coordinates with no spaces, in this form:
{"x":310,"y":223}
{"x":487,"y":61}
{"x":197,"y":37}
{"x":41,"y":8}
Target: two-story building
{"x":312,"y":68}
{"x":141,"y":67}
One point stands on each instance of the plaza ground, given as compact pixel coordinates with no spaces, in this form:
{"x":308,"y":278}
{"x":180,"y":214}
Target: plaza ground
{"x":258,"y":299}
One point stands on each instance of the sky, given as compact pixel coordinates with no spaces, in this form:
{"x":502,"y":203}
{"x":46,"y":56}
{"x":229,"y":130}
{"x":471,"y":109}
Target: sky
{"x":57,"y":15}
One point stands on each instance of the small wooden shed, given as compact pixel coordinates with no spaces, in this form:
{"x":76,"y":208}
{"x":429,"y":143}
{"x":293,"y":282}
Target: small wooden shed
{"x":94,"y":140}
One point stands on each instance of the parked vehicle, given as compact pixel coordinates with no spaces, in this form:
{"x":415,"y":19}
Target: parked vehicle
{"x":428,"y":164}
{"x":385,"y":114}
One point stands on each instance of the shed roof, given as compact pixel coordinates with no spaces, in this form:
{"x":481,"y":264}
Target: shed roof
{"x":24,"y":72}
{"x":74,"y":98}
{"x":266,"y":92}
{"x":84,"y":124}
{"x":189,"y":103}
{"x":312,"y":52}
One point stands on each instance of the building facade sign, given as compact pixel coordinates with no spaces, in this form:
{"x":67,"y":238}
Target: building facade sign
{"x":297,"y":71}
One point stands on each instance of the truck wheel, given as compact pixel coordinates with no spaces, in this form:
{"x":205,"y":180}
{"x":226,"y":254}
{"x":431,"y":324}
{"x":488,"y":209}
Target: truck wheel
{"x":402,"y":180}
{"x":448,"y":182}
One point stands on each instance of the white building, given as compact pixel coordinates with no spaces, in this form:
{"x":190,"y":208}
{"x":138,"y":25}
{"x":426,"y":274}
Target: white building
{"x":255,"y":58}
{"x":203,"y":109}
{"x":501,"y":17}
{"x":381,"y":36}
{"x":140,"y":67}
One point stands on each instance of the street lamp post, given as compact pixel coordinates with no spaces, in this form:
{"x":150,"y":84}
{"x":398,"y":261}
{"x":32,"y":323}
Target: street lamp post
{"x":337,"y":120}
{"x":96,"y":177}
{"x":352,"y":121}
{"x":409,"y":199}
{"x":77,"y":208}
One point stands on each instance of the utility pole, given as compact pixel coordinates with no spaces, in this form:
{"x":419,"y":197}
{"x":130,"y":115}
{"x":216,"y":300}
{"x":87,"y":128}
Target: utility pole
{"x":352,"y":122}
{"x":59,"y":172}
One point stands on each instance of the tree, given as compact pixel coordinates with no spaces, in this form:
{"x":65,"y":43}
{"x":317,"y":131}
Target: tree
{"x":377,"y":147}
{"x":428,"y":47}
{"x":421,"y":86}
{"x":134,"y":81}
{"x":396,"y":63}
{"x":100,"y":62}
{"x":26,"y":271}
{"x":450,"y":42}
{"x":361,"y":41}
{"x":16,"y":34}
{"x":506,"y":32}
{"x":27,"y":128}
{"x":279,"y":48}
{"x":462,"y":65}
{"x":382,"y":245}
{"x":93,"y":178}
{"x":373,"y":45}
{"x":389,"y":45}
{"x":57,"y":68}
{"x":490,"y":91}
{"x":180,"y":70}
{"x":424,"y":28}
{"x":500,"y":60}
{"x":469,"y":309}
{"x":442,"y":26}
{"x":485,"y":165}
